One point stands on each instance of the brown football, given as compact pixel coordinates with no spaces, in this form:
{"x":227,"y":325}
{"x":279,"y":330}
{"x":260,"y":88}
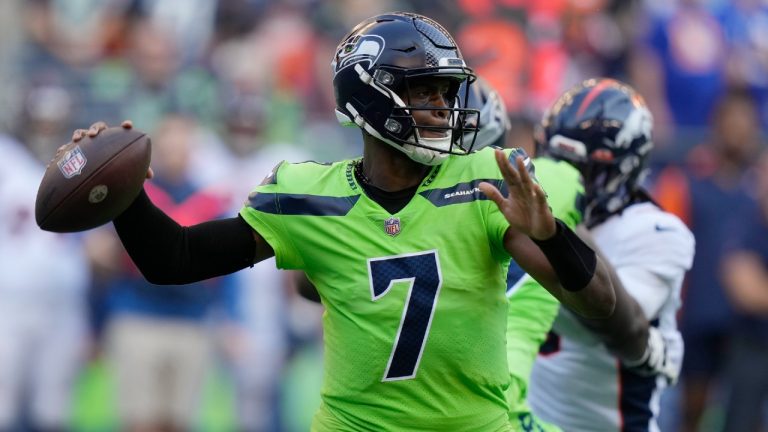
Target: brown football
{"x":92,"y":181}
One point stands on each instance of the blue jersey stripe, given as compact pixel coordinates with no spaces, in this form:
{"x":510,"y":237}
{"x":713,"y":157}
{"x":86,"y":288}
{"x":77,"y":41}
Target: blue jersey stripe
{"x":460,"y":193}
{"x":300,"y":204}
{"x":636,"y":393}
{"x":515,"y":277}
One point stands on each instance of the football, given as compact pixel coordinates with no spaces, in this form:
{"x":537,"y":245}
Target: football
{"x":90,"y":182}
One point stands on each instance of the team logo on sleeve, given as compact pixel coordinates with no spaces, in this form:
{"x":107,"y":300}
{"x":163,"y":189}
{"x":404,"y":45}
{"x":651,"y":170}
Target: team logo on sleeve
{"x":392,"y":226}
{"x":72,"y":163}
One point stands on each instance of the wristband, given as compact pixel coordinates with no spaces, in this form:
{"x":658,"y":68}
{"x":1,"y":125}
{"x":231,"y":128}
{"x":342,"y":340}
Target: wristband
{"x":573,"y":260}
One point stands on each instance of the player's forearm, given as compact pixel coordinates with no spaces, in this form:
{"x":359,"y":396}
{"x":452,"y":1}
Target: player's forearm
{"x":596,"y":300}
{"x":168,"y":253}
{"x":585,"y":284}
{"x":625,"y":331}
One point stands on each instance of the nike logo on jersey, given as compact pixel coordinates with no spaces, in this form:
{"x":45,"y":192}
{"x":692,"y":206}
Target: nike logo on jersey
{"x":660,"y":228}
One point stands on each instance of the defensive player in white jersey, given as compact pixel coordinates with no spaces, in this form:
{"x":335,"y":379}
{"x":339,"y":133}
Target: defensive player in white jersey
{"x":43,"y":318}
{"x":603,"y":128}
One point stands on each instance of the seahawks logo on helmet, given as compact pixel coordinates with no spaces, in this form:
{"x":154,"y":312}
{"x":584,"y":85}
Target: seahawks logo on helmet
{"x":366,"y":48}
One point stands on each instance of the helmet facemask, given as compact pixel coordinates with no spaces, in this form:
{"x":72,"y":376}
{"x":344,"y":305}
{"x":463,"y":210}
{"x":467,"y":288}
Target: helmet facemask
{"x":491,"y":124}
{"x":376,"y":70}
{"x":609,"y":187}
{"x":417,"y":107}
{"x":603,"y":128}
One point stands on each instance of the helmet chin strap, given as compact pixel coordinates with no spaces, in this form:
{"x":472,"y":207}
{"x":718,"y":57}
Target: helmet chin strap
{"x":423,"y":155}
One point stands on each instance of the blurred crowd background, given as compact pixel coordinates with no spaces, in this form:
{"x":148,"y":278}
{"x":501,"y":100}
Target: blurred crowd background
{"x":228,"y":88}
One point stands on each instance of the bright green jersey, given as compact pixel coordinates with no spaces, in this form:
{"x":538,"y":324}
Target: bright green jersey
{"x":415,"y":305}
{"x":532,"y":309}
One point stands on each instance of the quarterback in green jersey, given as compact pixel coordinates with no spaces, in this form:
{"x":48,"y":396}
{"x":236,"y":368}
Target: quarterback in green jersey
{"x":408,"y":246}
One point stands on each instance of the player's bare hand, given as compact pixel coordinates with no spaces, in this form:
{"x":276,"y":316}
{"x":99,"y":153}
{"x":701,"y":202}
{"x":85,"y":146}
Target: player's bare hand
{"x":96,"y":128}
{"x":525,"y":207}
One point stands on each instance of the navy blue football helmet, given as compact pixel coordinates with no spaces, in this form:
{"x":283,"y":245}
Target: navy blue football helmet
{"x":603,"y":128}
{"x":374,"y":65}
{"x":491,"y":121}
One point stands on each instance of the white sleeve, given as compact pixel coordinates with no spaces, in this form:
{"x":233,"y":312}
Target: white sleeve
{"x":647,"y":287}
{"x":651,"y":251}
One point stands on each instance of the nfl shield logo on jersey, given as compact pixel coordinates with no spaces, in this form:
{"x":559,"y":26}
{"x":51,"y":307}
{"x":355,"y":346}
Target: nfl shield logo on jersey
{"x":392,"y":226}
{"x":72,"y":163}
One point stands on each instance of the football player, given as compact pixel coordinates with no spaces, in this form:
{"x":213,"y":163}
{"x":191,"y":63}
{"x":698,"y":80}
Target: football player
{"x":408,"y":245}
{"x":603,"y":128}
{"x":532,"y":309}
{"x":44,"y":279}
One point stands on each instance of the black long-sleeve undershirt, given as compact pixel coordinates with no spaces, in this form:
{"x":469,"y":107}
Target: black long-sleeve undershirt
{"x":168,"y":253}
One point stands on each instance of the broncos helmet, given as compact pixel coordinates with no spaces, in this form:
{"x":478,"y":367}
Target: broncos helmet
{"x":491,"y":121}
{"x":603,"y":128}
{"x":374,"y":65}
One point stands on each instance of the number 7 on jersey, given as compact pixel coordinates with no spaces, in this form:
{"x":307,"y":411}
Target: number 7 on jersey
{"x":422,"y":270}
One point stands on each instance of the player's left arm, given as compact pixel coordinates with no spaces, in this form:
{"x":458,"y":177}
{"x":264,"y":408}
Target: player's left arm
{"x":546,"y":248}
{"x":570,"y":270}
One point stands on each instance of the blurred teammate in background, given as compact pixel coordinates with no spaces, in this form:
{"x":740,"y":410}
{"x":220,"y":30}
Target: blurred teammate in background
{"x":603,"y":128}
{"x":415,"y":309}
{"x":531,"y":308}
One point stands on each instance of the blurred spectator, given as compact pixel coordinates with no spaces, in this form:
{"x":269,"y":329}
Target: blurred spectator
{"x":43,"y":281}
{"x":52,"y":72}
{"x":745,"y":23}
{"x":11,"y":35}
{"x":234,"y":19}
{"x":280,"y":59}
{"x":679,"y":64}
{"x":189,"y":23}
{"x":532,"y":51}
{"x":158,"y":339}
{"x":704,"y":194}
{"x":150,"y":81}
{"x":255,"y":331}
{"x":745,"y":277}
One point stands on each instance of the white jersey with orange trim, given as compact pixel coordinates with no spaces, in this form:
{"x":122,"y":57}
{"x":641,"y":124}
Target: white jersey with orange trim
{"x":576,"y":383}
{"x":43,"y":281}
